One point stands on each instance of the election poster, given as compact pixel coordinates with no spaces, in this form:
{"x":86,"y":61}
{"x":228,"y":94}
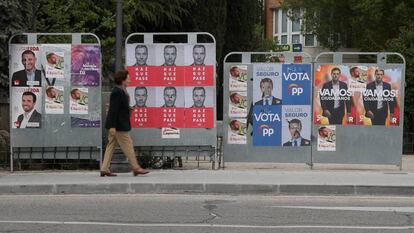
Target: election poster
{"x":54,"y":100}
{"x":25,"y":66}
{"x":78,"y":101}
{"x":327,"y":138}
{"x":92,"y":120}
{"x":144,"y":108}
{"x":199,"y":110}
{"x":296,"y":127}
{"x":170,"y":102}
{"x":238,"y":77}
{"x":85,"y":65}
{"x":237,"y":131}
{"x":356,"y":95}
{"x":26,"y":107}
{"x":54,"y":59}
{"x":238,"y":104}
{"x":281,"y":113}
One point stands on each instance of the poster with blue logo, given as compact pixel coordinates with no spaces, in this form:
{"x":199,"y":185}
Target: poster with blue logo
{"x":281,"y":104}
{"x":296,"y":84}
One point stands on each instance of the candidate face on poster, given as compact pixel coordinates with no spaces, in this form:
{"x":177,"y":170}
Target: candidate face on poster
{"x":170,"y":97}
{"x":26,"y":107}
{"x":169,"y":54}
{"x":267,"y":84}
{"x":327,"y":138}
{"x":238,"y":104}
{"x":78,"y":100}
{"x":54,"y":100}
{"x":237,"y":131}
{"x":25,"y":66}
{"x":238,"y":77}
{"x":54,"y":59}
{"x":199,"y":54}
{"x":140,"y":54}
{"x":85,"y":65}
{"x":198,"y":97}
{"x":296,"y":125}
{"x":142,"y":97}
{"x":362,"y":91}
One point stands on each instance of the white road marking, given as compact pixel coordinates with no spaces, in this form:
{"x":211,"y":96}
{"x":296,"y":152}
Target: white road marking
{"x":353,"y":208}
{"x":211,"y":225}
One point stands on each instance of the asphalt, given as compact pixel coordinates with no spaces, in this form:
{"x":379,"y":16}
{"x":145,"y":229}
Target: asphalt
{"x":236,"y":179}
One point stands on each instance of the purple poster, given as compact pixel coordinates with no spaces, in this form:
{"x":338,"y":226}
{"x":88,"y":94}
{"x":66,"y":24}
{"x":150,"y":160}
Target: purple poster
{"x":86,"y":65}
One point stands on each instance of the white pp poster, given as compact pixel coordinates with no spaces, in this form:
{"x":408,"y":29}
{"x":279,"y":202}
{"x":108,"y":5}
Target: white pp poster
{"x":54,"y":60}
{"x":327,"y":138}
{"x":296,"y":127}
{"x":238,"y":77}
{"x":54,"y":100}
{"x":25,"y":66}
{"x":238,"y":104}
{"x":237,"y":131}
{"x":26,"y":107}
{"x":78,"y":100}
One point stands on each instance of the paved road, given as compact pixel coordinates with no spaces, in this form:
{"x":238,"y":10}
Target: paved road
{"x":205,"y":213}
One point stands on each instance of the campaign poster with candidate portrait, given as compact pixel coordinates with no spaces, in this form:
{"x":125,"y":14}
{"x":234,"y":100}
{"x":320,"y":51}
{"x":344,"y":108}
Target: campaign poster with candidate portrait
{"x":54,"y":59}
{"x":199,"y":60}
{"x":85,"y":65}
{"x":332,"y":97}
{"x":237,"y":131}
{"x":199,"y":111}
{"x":26,"y":107}
{"x":326,"y":138}
{"x":144,"y":107}
{"x":25,"y":65}
{"x":170,"y":102}
{"x":296,"y":84}
{"x":238,"y":104}
{"x":78,"y":103}
{"x":238,"y":77}
{"x":54,"y":99}
{"x":296,"y":125}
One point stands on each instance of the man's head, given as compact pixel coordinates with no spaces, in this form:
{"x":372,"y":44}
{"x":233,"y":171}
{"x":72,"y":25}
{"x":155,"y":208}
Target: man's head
{"x":295,"y":127}
{"x":335,"y":74}
{"x":199,"y":96}
{"x":170,"y":95}
{"x":266,"y":86}
{"x":29,"y":60}
{"x":141,"y":95}
{"x":323,"y":132}
{"x":170,"y":54}
{"x":379,"y":76}
{"x":199,"y":54}
{"x":235,"y":125}
{"x":235,"y":71}
{"x":75,"y":94}
{"x":235,"y":98}
{"x":51,"y":58}
{"x":355,"y":72}
{"x":141,"y":54}
{"x":28,"y":101}
{"x":51,"y":92}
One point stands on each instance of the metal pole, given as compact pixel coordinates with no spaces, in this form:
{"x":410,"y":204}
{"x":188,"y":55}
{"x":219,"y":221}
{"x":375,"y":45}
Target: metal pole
{"x":118,"y":52}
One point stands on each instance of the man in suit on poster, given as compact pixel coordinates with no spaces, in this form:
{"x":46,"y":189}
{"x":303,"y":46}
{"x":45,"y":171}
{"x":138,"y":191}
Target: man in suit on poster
{"x":30,"y":117}
{"x":29,"y":76}
{"x":295,"y":127}
{"x":377,"y":107}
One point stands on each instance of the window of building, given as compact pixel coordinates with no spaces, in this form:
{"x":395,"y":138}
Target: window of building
{"x":287,"y":31}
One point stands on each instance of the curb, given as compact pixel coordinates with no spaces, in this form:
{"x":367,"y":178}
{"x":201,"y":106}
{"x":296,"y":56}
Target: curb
{"x":200,"y":188}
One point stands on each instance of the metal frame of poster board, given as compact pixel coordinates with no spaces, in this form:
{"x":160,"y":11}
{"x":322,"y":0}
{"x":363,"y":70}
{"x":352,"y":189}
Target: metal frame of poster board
{"x":359,"y":144}
{"x":193,"y":139}
{"x":247,"y":152}
{"x":57,"y":140}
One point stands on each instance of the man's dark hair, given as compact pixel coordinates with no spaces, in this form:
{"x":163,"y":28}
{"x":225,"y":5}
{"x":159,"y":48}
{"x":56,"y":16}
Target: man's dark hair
{"x":170,"y":88}
{"x":199,"y":46}
{"x":266,"y":80}
{"x":120,"y":76}
{"x":170,"y":46}
{"x":199,"y":88}
{"x":31,"y":94}
{"x":141,"y":88}
{"x":141,"y":46}
{"x":28,"y":52}
{"x":49,"y":89}
{"x":49,"y":55}
{"x":297,"y":121}
{"x":233,"y":68}
{"x":376,"y":71}
{"x":335,"y":68}
{"x":352,"y":69}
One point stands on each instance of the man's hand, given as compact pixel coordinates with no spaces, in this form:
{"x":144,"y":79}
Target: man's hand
{"x":326,"y":113}
{"x":112,"y":131}
{"x":369,"y":114}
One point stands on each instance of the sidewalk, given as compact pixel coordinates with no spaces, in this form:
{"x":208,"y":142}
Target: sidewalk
{"x":236,"y":179}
